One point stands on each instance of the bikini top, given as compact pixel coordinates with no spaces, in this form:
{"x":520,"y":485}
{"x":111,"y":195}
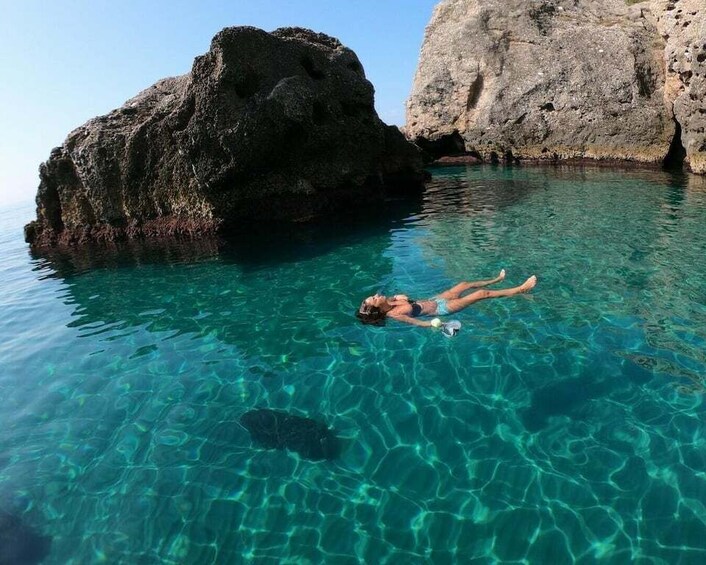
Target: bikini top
{"x":416,"y":308}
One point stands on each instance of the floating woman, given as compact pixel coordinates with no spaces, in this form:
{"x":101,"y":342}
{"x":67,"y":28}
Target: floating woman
{"x":375,"y":309}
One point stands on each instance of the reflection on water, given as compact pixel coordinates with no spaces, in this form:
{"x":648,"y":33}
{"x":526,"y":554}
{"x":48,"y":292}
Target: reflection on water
{"x":560,"y":426}
{"x":265,"y":286}
{"x":263,"y":245}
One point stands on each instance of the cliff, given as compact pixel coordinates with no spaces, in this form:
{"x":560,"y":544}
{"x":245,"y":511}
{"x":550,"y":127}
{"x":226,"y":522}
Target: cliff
{"x":266,"y":127}
{"x":682,"y":25}
{"x":561,"y":79}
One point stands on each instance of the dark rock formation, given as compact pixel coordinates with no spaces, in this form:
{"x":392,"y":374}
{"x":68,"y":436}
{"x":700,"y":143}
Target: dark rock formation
{"x":274,"y":429}
{"x":20,"y":544}
{"x":266,"y":127}
{"x":562,"y":79}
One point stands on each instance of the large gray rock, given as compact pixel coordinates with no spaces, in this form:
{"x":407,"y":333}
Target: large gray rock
{"x":266,"y":127}
{"x":546,"y":79}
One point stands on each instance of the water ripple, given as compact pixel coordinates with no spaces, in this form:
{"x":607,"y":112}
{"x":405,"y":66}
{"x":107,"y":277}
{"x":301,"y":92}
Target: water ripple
{"x":560,"y":426}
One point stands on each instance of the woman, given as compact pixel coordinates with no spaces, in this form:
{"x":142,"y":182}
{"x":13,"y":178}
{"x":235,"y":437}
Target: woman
{"x":374,"y":309}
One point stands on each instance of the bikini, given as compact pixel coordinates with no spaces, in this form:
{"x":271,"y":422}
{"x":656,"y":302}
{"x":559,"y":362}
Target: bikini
{"x":442,"y":307}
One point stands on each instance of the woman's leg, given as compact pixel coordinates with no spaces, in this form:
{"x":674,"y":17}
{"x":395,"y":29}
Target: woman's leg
{"x":460,"y":288}
{"x":454,"y":305}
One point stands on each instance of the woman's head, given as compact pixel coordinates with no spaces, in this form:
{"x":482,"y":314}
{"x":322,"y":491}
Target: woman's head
{"x":372,"y":310}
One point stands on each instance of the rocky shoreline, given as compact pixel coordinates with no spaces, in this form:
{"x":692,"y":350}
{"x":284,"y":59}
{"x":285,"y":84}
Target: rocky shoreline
{"x":473,"y":160}
{"x":281,"y":126}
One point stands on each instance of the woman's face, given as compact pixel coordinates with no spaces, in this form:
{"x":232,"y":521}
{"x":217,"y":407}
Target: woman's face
{"x":375,"y":300}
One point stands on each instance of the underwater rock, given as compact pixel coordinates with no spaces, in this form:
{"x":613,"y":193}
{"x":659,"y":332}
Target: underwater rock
{"x":274,"y":429}
{"x":20,"y":544}
{"x":266,"y":127}
{"x":567,"y":397}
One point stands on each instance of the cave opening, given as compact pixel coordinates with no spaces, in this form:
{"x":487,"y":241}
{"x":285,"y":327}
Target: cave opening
{"x":446,"y":145}
{"x":677,"y":154}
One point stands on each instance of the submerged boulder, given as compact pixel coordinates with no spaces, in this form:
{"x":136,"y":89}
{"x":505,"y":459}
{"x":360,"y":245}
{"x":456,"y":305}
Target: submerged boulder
{"x":267,"y":126}
{"x":557,"y":79}
{"x":20,"y":544}
{"x":274,"y":429}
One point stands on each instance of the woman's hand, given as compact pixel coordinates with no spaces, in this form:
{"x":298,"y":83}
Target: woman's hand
{"x":400,"y":297}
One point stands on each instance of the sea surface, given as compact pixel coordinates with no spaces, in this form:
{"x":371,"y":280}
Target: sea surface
{"x":565,"y":425}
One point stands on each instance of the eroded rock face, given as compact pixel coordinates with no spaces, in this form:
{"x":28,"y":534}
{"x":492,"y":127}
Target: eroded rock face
{"x":267,"y":126}
{"x":543,"y":79}
{"x":682,"y":24}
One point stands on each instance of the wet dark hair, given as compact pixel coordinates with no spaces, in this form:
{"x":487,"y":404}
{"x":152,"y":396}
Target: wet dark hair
{"x":370,"y":315}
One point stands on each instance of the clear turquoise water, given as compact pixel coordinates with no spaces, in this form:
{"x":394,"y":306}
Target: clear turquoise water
{"x":565,"y":425}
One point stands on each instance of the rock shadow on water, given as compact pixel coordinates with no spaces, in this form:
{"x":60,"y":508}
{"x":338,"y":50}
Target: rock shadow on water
{"x":67,"y":262}
{"x":275,"y":429}
{"x":277,"y":243}
{"x":257,"y":246}
{"x":19,"y":543}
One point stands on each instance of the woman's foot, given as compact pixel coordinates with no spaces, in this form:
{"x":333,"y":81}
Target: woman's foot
{"x":501,"y":276}
{"x":528,"y":284}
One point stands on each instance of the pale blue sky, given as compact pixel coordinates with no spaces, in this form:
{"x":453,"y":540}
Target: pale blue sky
{"x":63,"y":62}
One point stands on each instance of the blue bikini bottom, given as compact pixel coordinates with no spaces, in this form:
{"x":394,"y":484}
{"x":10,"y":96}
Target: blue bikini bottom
{"x":442,"y":308}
